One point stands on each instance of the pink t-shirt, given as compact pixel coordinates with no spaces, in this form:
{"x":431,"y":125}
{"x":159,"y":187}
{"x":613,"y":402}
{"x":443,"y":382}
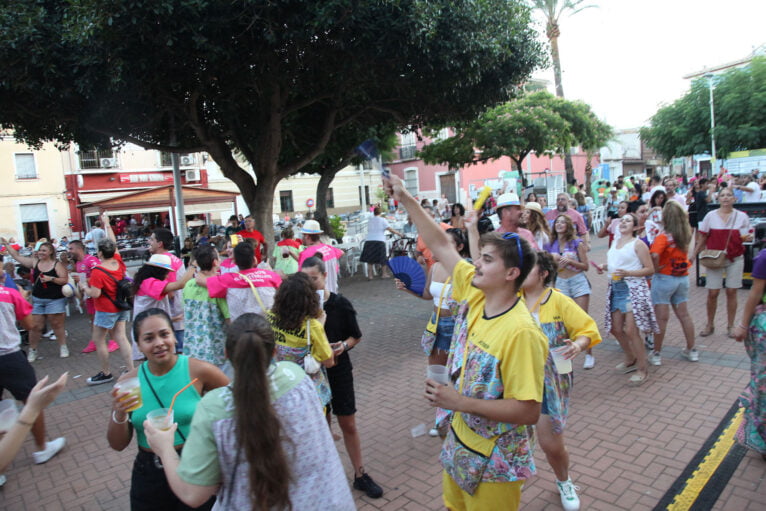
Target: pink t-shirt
{"x":330,"y":255}
{"x":13,"y":307}
{"x":153,"y":288}
{"x":239,"y":296}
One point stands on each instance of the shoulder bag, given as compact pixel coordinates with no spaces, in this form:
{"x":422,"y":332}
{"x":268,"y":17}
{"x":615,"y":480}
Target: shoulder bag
{"x":715,"y":259}
{"x":310,"y":364}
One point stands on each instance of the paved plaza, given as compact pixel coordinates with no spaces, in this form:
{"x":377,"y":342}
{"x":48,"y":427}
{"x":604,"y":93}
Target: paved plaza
{"x":627,"y":445}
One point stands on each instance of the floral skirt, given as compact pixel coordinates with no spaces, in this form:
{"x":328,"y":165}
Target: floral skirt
{"x":752,"y":432}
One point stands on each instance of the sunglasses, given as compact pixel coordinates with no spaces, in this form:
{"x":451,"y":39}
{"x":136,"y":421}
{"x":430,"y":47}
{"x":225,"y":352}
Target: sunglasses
{"x":514,"y":236}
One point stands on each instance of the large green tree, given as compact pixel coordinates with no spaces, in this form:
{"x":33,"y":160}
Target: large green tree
{"x":271,"y":81}
{"x":683,"y":127}
{"x":553,"y":10}
{"x":537,"y":122}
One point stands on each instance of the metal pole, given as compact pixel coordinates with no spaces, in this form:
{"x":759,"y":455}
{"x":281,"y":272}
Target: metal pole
{"x":709,"y":76}
{"x":179,"y":195}
{"x":361,"y":189}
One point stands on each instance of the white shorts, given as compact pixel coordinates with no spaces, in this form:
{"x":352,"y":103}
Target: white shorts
{"x":733,"y":272}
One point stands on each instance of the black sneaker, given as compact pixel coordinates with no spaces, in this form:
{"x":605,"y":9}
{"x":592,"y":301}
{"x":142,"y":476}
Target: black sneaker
{"x":368,"y":486}
{"x":99,"y":378}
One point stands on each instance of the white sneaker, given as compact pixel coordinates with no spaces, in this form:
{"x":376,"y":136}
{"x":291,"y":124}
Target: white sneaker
{"x":655,"y":359}
{"x":590,"y":361}
{"x":2,"y":480}
{"x":52,"y":448}
{"x":568,"y":491}
{"x":692,"y":355}
{"x":63,"y":352}
{"x":49,"y":334}
{"x":433,"y":432}
{"x":32,"y":356}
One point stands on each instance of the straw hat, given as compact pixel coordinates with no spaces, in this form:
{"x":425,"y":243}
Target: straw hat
{"x":508,"y":199}
{"x":534,"y":206}
{"x":311,"y":227}
{"x":160,"y":261}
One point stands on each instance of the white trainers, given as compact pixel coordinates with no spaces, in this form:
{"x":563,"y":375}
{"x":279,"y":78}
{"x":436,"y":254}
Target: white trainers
{"x":590,"y":361}
{"x":63,"y":352}
{"x":691,"y":355}
{"x":433,"y":432}
{"x":32,"y":355}
{"x":52,"y":448}
{"x":655,"y":358}
{"x":49,"y":334}
{"x":568,"y":491}
{"x":2,"y":480}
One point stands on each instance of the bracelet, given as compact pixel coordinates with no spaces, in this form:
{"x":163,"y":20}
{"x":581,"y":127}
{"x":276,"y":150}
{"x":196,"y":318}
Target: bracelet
{"x":345,"y":346}
{"x":114,"y":418}
{"x":743,"y":327}
{"x":24,"y":423}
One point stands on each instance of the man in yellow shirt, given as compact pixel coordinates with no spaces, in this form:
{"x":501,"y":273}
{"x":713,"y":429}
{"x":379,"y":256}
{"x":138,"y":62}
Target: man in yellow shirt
{"x":487,"y":454}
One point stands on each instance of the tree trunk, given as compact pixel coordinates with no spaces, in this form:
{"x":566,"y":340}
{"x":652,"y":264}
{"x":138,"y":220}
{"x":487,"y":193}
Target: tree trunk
{"x":588,"y":174}
{"x":262,"y":207}
{"x":320,"y":215}
{"x":556,"y":66}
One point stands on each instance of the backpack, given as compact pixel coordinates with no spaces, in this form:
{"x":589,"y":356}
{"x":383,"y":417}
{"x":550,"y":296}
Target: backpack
{"x":123,"y":299}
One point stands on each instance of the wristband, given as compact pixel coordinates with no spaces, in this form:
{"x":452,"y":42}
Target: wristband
{"x":24,"y":423}
{"x":345,"y":346}
{"x":114,"y":418}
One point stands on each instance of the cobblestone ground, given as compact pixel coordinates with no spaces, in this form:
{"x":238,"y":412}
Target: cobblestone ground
{"x":627,"y":445}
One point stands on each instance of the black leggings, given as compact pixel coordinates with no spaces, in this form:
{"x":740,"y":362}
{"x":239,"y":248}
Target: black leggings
{"x":149,"y":488}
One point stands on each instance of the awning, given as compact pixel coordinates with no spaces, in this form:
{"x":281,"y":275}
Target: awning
{"x":162,"y":198}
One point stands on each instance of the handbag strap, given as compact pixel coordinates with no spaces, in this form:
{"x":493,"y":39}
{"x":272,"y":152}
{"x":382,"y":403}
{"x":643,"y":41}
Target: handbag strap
{"x":255,"y":292}
{"x":308,"y":334}
{"x":441,"y":296}
{"x":162,"y":405}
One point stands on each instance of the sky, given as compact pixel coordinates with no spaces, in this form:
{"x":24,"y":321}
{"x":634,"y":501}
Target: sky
{"x":627,"y":58}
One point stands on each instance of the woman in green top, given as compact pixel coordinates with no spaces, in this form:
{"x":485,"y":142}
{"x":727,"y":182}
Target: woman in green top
{"x":162,"y":375}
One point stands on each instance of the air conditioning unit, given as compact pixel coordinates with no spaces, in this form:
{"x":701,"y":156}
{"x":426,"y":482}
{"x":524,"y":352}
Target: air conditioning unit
{"x":187,"y":160}
{"x":108,"y":163}
{"x":192,"y":175}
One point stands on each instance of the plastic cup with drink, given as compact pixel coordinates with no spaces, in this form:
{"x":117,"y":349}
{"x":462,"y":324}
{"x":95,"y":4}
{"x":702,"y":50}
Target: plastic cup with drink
{"x":133,"y":387}
{"x":161,"y":418}
{"x":563,"y":365}
{"x":9,"y":412}
{"x":438,"y":373}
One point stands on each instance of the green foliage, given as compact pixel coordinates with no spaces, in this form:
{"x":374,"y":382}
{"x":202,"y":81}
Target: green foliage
{"x":538,"y":122}
{"x":338,"y":230}
{"x":274,"y":81}
{"x":683,"y":127}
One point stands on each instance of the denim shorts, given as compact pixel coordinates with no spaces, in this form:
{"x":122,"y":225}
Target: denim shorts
{"x":48,"y":305}
{"x":667,"y":289}
{"x":444,"y":333}
{"x":109,"y":319}
{"x":620,"y":293}
{"x":573,"y":287}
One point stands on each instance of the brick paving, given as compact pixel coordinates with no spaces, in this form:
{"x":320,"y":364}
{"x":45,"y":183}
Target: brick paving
{"x":627,"y":445}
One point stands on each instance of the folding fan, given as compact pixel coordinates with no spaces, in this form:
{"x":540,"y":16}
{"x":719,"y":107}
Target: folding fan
{"x":409,"y":272}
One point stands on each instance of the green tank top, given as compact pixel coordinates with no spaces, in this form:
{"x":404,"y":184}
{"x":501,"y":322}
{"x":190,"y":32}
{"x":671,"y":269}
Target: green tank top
{"x":165,"y":387}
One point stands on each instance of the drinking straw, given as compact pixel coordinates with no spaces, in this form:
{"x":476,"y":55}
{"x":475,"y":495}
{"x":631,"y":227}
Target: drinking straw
{"x":172,"y":402}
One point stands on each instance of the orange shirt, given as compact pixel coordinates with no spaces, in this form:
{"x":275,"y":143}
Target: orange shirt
{"x":673,"y":261}
{"x":421,"y":247}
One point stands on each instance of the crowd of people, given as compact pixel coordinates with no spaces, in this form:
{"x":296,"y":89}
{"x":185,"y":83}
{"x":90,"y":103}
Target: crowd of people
{"x":242,"y":359}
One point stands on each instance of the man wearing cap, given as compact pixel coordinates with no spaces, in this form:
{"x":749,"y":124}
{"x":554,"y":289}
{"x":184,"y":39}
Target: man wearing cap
{"x":562,"y":208}
{"x":509,"y":212}
{"x":161,"y":242}
{"x":330,"y":255}
{"x":251,"y":233}
{"x":102,"y":287}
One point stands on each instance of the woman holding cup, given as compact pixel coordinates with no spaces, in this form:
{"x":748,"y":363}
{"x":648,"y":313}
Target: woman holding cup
{"x":570,"y":331}
{"x":162,"y":375}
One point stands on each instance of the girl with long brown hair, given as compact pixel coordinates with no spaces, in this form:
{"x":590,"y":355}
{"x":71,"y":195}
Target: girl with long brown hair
{"x":670,"y":282}
{"x":253,"y":442}
{"x":533,"y":219}
{"x":294,"y":316}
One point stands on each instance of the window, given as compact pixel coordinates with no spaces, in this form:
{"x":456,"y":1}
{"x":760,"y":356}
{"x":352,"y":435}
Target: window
{"x":411,"y":181}
{"x":93,"y":159}
{"x":25,"y":166}
{"x":366,"y":194}
{"x":34,"y":221}
{"x":442,"y":135}
{"x":286,"y":201}
{"x":408,"y":147}
{"x":329,"y":199}
{"x":365,"y":165}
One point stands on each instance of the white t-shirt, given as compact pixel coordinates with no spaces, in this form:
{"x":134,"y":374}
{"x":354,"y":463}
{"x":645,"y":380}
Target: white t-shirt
{"x":376,"y":229}
{"x":754,"y":195}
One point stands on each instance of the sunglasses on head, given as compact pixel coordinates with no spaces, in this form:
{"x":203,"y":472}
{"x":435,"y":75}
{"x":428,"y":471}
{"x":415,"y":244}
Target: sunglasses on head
{"x":514,"y":236}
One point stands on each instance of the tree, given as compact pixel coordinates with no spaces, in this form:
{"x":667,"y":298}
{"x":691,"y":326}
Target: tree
{"x":553,"y":10}
{"x":683,"y":127}
{"x":538,"y":122}
{"x":270,"y":81}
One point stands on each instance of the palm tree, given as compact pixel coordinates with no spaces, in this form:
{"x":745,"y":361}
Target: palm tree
{"x":553,"y":10}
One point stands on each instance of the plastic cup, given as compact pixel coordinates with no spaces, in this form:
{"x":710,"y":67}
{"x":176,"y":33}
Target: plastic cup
{"x":9,"y":412}
{"x":160,"y":418}
{"x":133,"y":387}
{"x":438,"y":373}
{"x":563,"y":365}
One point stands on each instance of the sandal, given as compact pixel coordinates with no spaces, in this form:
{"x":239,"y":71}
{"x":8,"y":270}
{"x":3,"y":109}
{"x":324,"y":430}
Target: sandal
{"x":625,"y":369}
{"x":730,"y":332}
{"x":637,"y":379}
{"x":707,"y":331}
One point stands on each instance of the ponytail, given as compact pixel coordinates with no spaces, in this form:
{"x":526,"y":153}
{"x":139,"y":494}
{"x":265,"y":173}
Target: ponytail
{"x":250,"y":345}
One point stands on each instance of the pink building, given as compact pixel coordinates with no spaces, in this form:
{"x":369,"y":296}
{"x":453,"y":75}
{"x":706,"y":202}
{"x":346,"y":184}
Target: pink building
{"x":431,"y":181}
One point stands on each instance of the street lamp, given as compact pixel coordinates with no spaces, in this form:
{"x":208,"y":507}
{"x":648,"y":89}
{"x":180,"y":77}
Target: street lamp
{"x":709,"y":77}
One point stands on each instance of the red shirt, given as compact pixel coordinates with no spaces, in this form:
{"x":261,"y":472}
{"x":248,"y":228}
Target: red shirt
{"x":258,"y":237}
{"x":107,"y":286}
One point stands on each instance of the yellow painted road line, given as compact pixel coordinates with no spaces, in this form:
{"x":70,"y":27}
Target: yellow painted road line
{"x":707,"y":468}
